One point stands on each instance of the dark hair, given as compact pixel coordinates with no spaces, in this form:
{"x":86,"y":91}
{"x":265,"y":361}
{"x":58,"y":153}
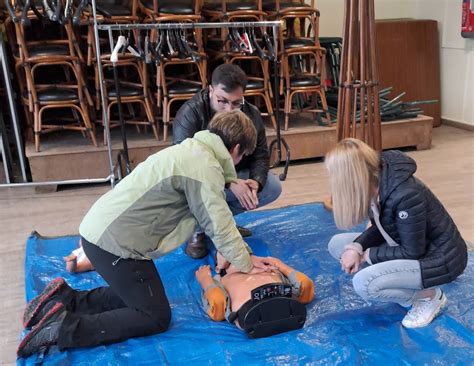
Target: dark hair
{"x":234,"y":128}
{"x":230,"y":77}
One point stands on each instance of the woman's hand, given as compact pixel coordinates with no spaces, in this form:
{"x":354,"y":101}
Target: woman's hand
{"x":350,"y":261}
{"x":221,"y":262}
{"x":274,"y":262}
{"x":260,"y":264}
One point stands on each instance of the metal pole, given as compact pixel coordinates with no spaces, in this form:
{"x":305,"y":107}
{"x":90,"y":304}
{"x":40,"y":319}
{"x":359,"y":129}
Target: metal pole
{"x":4,"y":149}
{"x":58,"y":182}
{"x":13,"y":112}
{"x":119,"y":106}
{"x":105,"y":120}
{"x":188,"y":25}
{"x":279,"y":141}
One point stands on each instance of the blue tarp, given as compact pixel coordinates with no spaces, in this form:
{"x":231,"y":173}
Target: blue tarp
{"x":340,"y":329}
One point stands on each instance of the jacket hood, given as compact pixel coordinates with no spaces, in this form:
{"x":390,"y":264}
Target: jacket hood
{"x":216,"y":146}
{"x":396,"y":169}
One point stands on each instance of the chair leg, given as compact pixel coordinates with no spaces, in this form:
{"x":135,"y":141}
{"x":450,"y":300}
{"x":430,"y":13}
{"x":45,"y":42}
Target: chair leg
{"x":165,"y":118}
{"x":271,"y":113}
{"x":165,"y":131}
{"x":287,"y":108}
{"x":108,"y":115}
{"x":151,"y":119}
{"x":87,"y":122}
{"x":78,"y":121}
{"x":37,"y":128}
{"x":324,"y":102}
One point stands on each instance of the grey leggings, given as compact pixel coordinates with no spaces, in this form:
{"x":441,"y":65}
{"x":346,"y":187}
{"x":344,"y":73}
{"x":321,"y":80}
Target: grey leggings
{"x":391,"y":281}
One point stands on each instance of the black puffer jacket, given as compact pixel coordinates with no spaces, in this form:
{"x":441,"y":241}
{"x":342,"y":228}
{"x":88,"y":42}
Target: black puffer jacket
{"x":194,"y":116}
{"x":412,"y":215}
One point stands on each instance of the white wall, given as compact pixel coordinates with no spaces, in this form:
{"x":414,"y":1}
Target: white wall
{"x":456,"y":59}
{"x":332,"y":13}
{"x":456,"y":53}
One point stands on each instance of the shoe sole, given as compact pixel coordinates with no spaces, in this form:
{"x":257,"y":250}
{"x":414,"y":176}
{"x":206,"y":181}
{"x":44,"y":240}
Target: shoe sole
{"x":444,"y":301}
{"x":57,"y":307}
{"x":193,"y":256}
{"x":34,"y":305}
{"x":245,"y":233}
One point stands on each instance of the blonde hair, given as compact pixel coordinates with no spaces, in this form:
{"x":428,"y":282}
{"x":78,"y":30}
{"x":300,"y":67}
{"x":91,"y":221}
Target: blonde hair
{"x":234,"y":128}
{"x":353,"y":168}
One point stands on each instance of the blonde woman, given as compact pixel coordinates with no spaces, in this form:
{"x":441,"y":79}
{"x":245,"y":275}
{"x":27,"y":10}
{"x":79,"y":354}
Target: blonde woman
{"x":412,"y":246}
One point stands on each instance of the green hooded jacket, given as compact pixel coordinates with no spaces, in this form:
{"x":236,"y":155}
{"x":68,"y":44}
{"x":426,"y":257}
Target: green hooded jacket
{"x":156,"y":208}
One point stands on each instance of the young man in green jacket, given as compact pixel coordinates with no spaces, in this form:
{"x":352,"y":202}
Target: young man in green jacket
{"x":148,"y":214}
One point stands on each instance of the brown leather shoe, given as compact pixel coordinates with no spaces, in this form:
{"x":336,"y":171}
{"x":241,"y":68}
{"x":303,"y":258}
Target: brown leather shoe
{"x":196,"y":247}
{"x":244,"y":231}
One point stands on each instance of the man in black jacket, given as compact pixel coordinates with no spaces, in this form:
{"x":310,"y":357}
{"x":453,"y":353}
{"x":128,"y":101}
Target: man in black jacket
{"x":255,"y":187}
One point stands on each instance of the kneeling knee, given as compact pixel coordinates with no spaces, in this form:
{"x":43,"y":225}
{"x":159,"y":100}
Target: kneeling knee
{"x":277,"y":189}
{"x":161,"y":320}
{"x":360,"y":284}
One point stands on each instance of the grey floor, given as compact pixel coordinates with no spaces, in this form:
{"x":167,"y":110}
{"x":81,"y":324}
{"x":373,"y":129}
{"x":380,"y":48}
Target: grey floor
{"x":448,"y":168}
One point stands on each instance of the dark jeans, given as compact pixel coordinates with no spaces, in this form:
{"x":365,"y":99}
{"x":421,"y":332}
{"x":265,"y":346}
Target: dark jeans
{"x":134,"y":304}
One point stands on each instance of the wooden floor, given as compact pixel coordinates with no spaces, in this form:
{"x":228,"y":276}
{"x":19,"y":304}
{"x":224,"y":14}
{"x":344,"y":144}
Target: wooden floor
{"x":448,"y":168}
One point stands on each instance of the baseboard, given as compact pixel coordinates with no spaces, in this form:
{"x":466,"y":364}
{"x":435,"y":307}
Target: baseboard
{"x":458,"y":124}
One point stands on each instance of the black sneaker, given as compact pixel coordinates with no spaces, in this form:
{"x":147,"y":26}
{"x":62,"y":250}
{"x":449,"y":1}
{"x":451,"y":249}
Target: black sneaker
{"x":244,"y":231}
{"x":44,"y":334}
{"x":44,"y":302}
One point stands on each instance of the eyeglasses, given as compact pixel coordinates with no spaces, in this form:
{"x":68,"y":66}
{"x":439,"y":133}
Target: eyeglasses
{"x":234,"y":104}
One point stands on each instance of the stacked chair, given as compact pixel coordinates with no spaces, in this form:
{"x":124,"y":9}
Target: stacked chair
{"x":166,"y":68}
{"x":181,"y":63}
{"x":301,"y":56}
{"x":56,"y":53}
{"x":133,"y":85}
{"x":223,"y":47}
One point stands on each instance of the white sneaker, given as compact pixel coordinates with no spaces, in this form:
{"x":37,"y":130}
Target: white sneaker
{"x":424,"y":311}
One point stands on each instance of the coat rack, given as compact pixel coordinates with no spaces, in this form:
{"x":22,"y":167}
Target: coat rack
{"x":278,"y":142}
{"x":115,"y":168}
{"x":358,"y":78}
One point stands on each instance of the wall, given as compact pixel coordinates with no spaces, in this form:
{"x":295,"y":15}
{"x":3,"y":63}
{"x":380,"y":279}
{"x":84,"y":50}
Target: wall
{"x":456,"y":58}
{"x":456,"y":53}
{"x":332,"y":13}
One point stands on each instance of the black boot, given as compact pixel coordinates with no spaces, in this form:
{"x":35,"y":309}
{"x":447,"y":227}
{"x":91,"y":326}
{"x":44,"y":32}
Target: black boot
{"x":44,"y":334}
{"x":37,"y":308}
{"x":196,"y":247}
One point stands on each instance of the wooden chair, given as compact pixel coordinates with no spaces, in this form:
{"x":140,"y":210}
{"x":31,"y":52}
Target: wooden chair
{"x":133,"y":91}
{"x":180,"y":84}
{"x":134,"y":88}
{"x":304,"y":71}
{"x":258,"y":80}
{"x":67,"y":94}
{"x":171,"y":10}
{"x":35,"y":45}
{"x":225,"y":11}
{"x":220,"y":48}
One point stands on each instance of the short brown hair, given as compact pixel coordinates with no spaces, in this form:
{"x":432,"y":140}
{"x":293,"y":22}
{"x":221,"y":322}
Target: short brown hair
{"x":230,"y":76}
{"x":235,"y":128}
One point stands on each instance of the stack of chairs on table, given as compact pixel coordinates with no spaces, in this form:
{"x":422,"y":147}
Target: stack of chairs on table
{"x":54,"y":48}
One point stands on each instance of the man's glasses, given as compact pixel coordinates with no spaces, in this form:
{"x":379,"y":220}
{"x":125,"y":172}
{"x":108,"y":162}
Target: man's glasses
{"x":234,"y":104}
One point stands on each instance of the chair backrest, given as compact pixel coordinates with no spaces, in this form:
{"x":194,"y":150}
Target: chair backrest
{"x":172,"y":9}
{"x":32,"y":73}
